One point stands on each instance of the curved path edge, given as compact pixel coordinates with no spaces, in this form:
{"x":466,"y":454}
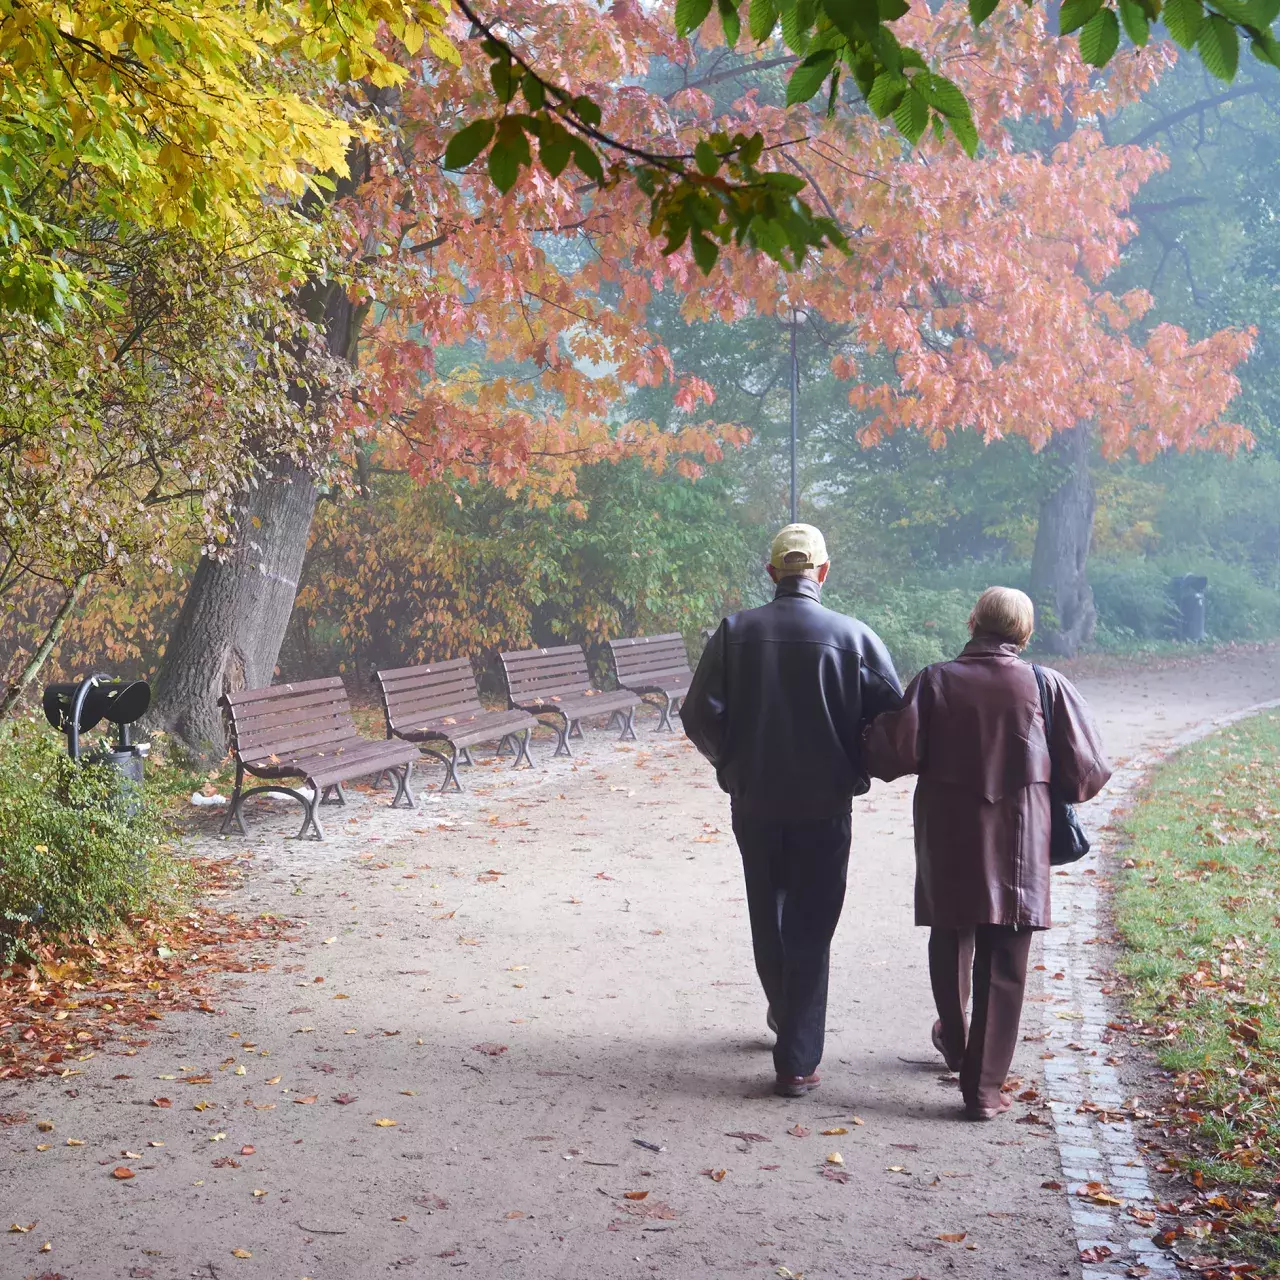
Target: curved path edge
{"x":1085,"y":1091}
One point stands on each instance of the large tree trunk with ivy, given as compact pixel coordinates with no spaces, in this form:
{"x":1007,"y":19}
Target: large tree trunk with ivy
{"x":233,"y":621}
{"x":1065,"y":613}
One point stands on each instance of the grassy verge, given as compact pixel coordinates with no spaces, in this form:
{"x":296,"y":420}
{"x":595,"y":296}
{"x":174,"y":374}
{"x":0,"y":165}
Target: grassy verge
{"x":1197,"y":908}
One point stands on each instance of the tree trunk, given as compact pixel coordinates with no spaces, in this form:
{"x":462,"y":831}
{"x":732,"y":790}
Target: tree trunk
{"x":13,"y":695}
{"x":1065,"y":613}
{"x":233,"y":621}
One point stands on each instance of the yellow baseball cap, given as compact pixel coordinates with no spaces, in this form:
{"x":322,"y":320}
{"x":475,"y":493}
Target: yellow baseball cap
{"x":796,"y":548}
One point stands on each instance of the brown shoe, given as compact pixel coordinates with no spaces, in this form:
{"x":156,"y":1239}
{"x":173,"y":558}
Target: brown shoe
{"x":972,"y":1111}
{"x":953,"y":1064}
{"x":795,"y":1086}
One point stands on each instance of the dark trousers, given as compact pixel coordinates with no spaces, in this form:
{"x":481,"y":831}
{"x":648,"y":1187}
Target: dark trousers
{"x":795,"y":873}
{"x":990,"y":960}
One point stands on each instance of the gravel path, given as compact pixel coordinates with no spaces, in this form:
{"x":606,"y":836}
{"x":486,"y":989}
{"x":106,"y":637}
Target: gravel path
{"x":546,"y":985}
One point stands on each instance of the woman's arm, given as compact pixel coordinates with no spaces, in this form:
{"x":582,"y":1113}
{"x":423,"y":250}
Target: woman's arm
{"x":1080,"y":765}
{"x":894,"y":743}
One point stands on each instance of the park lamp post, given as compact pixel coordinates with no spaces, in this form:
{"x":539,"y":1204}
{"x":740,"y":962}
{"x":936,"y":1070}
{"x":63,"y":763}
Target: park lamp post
{"x":796,"y":316}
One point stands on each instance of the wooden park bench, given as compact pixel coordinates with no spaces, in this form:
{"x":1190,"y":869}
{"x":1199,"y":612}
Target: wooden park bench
{"x":555,"y":682}
{"x":654,"y":666}
{"x":438,"y":707}
{"x":305,"y":730}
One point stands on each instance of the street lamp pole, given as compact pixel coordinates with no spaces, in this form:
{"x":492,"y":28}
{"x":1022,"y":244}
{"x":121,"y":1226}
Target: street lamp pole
{"x":795,"y":393}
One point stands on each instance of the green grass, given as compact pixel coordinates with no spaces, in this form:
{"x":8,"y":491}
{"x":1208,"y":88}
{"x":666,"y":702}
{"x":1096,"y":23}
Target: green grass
{"x":1198,"y":908}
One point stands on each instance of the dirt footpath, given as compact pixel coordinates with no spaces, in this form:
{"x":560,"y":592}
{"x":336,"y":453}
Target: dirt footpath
{"x":520,"y":1035}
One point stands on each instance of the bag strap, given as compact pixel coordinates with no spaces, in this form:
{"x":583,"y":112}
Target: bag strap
{"x":1046,"y":708}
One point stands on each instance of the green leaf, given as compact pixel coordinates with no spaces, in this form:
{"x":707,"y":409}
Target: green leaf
{"x":503,"y":77}
{"x":534,"y":94}
{"x":762,"y":17}
{"x":886,"y":93}
{"x":1219,"y":47}
{"x":1075,"y":13}
{"x":807,"y":78}
{"x":1100,"y":37}
{"x":504,"y":166}
{"x":468,"y":143}
{"x":1266,"y":49}
{"x":944,"y":95}
{"x":981,"y":10}
{"x":705,"y":250}
{"x":834,"y":96}
{"x":912,"y":116}
{"x":966,"y":133}
{"x":587,"y":160}
{"x":892,"y":10}
{"x":554,"y":155}
{"x":730,"y":21}
{"x":587,"y":110}
{"x":1184,"y":19}
{"x":1135,"y":22}
{"x":856,"y":19}
{"x":791,"y":183}
{"x":706,"y":159}
{"x":690,"y":15}
{"x":797,"y":22}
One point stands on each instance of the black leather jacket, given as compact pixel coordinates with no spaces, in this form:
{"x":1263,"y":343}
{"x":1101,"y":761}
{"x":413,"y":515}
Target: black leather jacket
{"x":780,"y":699}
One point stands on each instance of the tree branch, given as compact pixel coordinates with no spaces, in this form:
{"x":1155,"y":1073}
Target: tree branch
{"x":1185,"y":113}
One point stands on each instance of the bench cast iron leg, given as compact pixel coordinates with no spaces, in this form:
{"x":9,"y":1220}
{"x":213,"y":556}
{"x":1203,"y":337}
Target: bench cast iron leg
{"x":520,"y":742}
{"x":575,"y":730}
{"x":465,"y":756}
{"x":403,"y":778}
{"x":628,"y":719}
{"x":664,"y":716}
{"x":503,"y":743}
{"x":334,"y":794}
{"x":312,"y":818}
{"x":562,"y":727}
{"x":233,"y":812}
{"x":450,"y":763}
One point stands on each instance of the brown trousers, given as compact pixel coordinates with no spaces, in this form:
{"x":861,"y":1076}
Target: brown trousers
{"x":991,"y":961}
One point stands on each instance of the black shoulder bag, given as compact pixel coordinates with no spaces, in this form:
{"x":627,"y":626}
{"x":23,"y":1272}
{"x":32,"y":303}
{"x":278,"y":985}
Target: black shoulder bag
{"x":1067,"y":840}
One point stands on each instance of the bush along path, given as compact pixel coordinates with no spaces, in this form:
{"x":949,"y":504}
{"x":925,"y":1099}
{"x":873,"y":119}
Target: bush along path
{"x":519,"y":1031}
{"x":1197,"y":911}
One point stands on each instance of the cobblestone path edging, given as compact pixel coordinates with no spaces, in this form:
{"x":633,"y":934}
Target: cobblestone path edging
{"x":1093,"y":1147}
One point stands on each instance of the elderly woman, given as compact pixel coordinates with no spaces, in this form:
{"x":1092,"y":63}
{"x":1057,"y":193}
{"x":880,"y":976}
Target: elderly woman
{"x":974,"y":730}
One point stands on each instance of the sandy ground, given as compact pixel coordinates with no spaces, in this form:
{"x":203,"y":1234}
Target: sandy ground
{"x":541,"y":982}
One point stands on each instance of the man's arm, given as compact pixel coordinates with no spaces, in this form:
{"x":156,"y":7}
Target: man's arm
{"x":881,"y":689}
{"x":705,"y":707}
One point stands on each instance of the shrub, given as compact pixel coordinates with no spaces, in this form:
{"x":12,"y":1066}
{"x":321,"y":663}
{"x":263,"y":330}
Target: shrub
{"x":919,"y":625}
{"x":76,"y":861}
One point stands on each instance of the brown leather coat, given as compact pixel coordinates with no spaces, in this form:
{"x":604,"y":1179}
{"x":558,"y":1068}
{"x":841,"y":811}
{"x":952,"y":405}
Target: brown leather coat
{"x":973,"y":730}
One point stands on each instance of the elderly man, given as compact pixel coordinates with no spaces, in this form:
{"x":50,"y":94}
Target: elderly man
{"x":778,"y":705}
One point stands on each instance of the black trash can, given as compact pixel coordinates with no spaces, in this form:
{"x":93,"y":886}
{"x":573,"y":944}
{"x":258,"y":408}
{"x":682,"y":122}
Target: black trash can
{"x":1189,"y":594}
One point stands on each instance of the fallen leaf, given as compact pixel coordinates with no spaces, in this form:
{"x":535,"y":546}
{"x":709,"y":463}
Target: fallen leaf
{"x":121,"y":1172}
{"x":952,"y":1237}
{"x":838,"y":1132}
{"x":21,"y":1230}
{"x":385,"y":1124}
{"x":276,"y":1079}
{"x":303,"y":1102}
{"x":344,"y":1099}
{"x":75,"y":1142}
{"x":493,"y":1050}
{"x":1051,"y":1185}
{"x":834,"y":1157}
{"x":798,"y":1130}
{"x":636,"y":1195}
{"x":1099,"y":1253}
{"x":161,"y":1102}
{"x":513,"y":1214}
{"x":247,"y":1150}
{"x":748,"y":1137}
{"x":258,"y":1191}
{"x":835,"y":1175}
{"x":241,"y":1253}
{"x":716,"y":1175}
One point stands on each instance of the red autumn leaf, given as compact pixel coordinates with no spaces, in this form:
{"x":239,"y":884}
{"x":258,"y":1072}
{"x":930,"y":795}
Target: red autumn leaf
{"x":344,"y":1099}
{"x":798,"y":1130}
{"x":161,"y":1102}
{"x":122,"y":1172}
